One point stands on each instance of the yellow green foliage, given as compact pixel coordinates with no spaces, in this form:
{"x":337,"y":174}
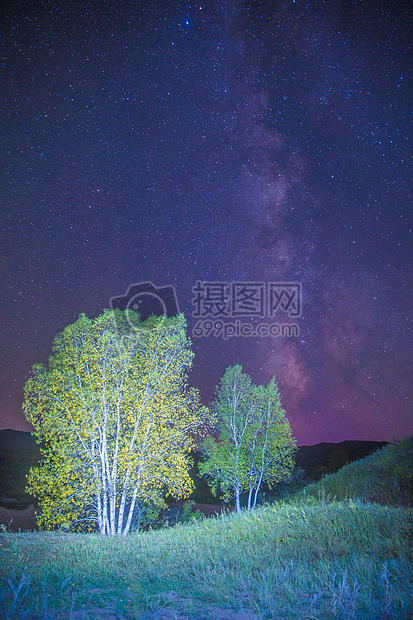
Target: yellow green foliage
{"x":116,"y":420}
{"x":254,"y":443}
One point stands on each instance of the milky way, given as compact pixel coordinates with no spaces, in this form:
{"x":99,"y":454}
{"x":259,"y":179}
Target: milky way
{"x":218,"y":142}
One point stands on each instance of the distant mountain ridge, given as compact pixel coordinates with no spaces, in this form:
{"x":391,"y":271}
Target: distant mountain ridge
{"x":323,"y":458}
{"x":19,"y":451}
{"x":16,"y":441}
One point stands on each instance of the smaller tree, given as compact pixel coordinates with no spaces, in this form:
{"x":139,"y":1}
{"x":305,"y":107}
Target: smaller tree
{"x":254,"y":442}
{"x":225,"y":467}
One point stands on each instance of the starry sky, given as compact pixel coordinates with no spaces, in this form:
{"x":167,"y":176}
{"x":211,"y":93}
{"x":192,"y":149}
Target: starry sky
{"x":219,"y":142}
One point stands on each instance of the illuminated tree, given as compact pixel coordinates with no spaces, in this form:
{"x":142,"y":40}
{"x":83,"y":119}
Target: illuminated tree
{"x":116,"y":421}
{"x":270,"y":446}
{"x":254,"y":443}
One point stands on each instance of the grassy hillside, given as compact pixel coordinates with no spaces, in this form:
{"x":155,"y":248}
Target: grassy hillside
{"x":338,"y":560}
{"x":385,"y":477}
{"x":310,"y":557}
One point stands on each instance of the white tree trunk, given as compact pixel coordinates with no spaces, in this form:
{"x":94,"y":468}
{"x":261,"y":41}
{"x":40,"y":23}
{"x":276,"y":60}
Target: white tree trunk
{"x":131,"y":510}
{"x":99,"y":513}
{"x":123,"y":503}
{"x":257,"y":489}
{"x":237,"y":500}
{"x":249,"y":498}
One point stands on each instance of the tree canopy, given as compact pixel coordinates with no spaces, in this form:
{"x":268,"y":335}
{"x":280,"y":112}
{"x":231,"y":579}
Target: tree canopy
{"x":116,"y":421}
{"x":254,"y":442}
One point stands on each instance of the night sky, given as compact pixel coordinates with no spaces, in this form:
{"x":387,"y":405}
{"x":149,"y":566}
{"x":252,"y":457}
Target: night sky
{"x":219,"y":142}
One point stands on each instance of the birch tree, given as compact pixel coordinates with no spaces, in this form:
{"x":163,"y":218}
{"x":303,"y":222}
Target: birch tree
{"x":116,"y":421}
{"x":253,"y":441}
{"x":269,"y":444}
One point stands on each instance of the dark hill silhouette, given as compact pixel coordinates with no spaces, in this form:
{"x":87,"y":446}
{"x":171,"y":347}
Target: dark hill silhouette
{"x":324,"y":458}
{"x":17,"y":441}
{"x":19,"y":452}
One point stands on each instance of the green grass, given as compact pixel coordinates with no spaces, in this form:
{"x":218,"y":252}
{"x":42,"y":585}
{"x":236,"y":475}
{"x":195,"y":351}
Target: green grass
{"x":304,"y":560}
{"x":330,"y":552}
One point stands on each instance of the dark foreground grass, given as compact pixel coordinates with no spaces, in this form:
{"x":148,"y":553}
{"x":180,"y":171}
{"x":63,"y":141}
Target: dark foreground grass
{"x":305,"y":560}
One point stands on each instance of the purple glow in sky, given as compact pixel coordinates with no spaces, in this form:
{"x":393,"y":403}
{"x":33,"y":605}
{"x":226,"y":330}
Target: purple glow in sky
{"x":220,"y":142}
